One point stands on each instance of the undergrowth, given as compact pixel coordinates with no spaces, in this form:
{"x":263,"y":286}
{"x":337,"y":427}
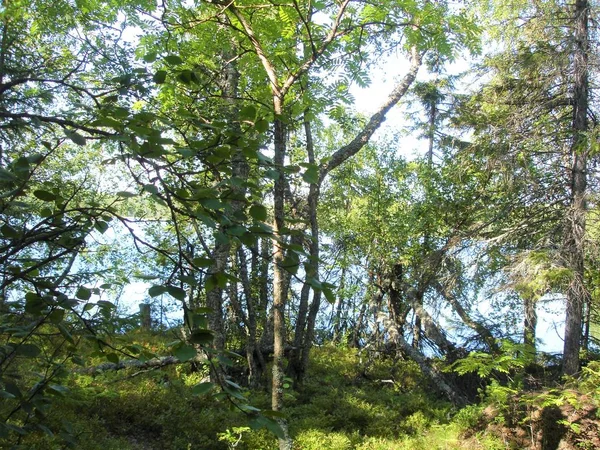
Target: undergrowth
{"x":382,"y":404}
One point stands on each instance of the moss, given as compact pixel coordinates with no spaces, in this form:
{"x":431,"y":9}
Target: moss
{"x":342,"y":405}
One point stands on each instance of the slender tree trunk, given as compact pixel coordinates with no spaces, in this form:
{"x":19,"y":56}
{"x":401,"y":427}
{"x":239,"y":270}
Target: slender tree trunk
{"x":530,"y":322}
{"x":253,"y":353}
{"x":339,"y":306}
{"x":586,"y":326}
{"x":240,"y":169}
{"x":294,"y":367}
{"x":280,"y":275}
{"x":432,"y":106}
{"x":145,"y":316}
{"x":314,"y":255}
{"x":357,"y":328}
{"x":577,"y":293}
{"x":417,"y":327}
{"x":214,"y":297}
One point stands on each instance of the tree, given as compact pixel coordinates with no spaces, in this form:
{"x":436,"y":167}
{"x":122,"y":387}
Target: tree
{"x":50,"y":210}
{"x":540,"y":102}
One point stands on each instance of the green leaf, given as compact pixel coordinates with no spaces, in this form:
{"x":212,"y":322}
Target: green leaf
{"x":225,"y":361}
{"x":120,"y":113}
{"x":44,"y":195}
{"x":274,"y":428}
{"x":78,"y":360}
{"x":236,"y":230}
{"x":273,"y":174}
{"x":33,"y":303}
{"x":311,"y":175}
{"x":59,"y":389}
{"x":248,"y":112}
{"x":6,"y":395}
{"x":45,"y":429}
{"x":211,"y":203}
{"x":113,"y":358}
{"x":249,"y":408}
{"x":12,"y":389}
{"x":76,"y":138}
{"x":291,"y":263}
{"x":151,"y":188}
{"x":210,"y":283}
{"x":261,"y":126}
{"x":149,"y":57}
{"x":57,"y":315}
{"x":17,"y":429}
{"x":235,"y":385}
{"x":65,"y":333}
{"x":201,"y":336}
{"x":9,"y":232}
{"x":146,"y":277}
{"x":29,"y":350}
{"x":173,"y":59}
{"x":125,"y":194}
{"x":185,"y":353}
{"x":233,"y":392}
{"x":6,"y":175}
{"x":258,"y":212}
{"x":185,"y":76}
{"x":101,"y":226}
{"x":104,"y":304}
{"x":203,"y":262}
{"x":160,"y":77}
{"x":203,"y":388}
{"x":271,"y":413}
{"x":155,"y":291}
{"x":83,"y":293}
{"x":45,"y":212}
{"x":177,"y":292}
{"x":329,"y":295}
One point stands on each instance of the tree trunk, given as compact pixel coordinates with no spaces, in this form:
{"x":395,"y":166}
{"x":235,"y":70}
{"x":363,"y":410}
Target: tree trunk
{"x":294,"y":367}
{"x":428,"y":369}
{"x":253,"y":353}
{"x":280,"y":275}
{"x":338,"y":307}
{"x":145,"y":316}
{"x":314,"y":255}
{"x":357,"y":328}
{"x":530,"y":321}
{"x":476,"y":326}
{"x":574,"y":251}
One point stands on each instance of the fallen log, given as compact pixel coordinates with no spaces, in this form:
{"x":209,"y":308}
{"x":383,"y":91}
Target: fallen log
{"x":153,"y":363}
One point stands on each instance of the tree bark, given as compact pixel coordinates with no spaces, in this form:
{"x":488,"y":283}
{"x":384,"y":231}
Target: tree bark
{"x":221,"y":252}
{"x":530,"y":321}
{"x":306,"y":338}
{"x":574,"y":248}
{"x":256,"y":364}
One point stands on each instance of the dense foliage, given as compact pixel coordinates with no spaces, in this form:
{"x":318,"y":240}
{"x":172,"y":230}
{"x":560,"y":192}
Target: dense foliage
{"x":205,"y":161}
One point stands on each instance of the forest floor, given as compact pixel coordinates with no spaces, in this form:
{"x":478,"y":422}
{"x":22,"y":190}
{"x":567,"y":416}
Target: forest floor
{"x":348,"y":401}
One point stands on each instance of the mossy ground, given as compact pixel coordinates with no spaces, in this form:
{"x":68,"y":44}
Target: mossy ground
{"x":345,"y":403}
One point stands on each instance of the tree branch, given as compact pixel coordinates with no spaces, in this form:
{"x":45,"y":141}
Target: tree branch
{"x":55,"y":120}
{"x":349,"y":150}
